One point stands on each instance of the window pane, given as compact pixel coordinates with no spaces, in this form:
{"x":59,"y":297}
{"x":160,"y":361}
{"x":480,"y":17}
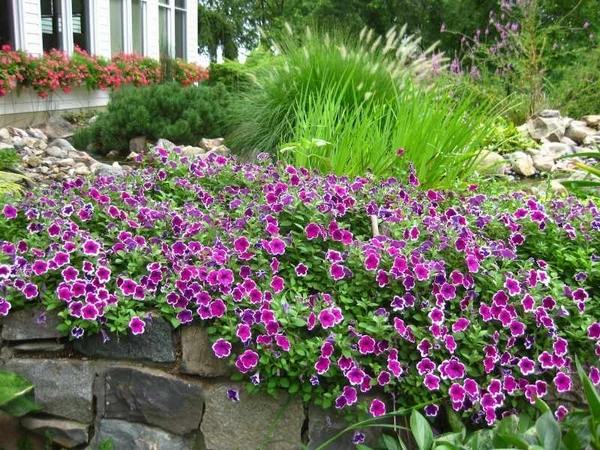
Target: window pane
{"x":180,"y":3}
{"x":116,"y":27}
{"x":137,"y":26}
{"x":179,"y":34}
{"x":51,"y":24}
{"x":6,"y":23}
{"x":80,"y":24}
{"x":163,"y":30}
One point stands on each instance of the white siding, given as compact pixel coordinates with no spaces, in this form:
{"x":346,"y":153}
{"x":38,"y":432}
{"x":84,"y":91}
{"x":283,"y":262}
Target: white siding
{"x":27,"y":101}
{"x":152,"y":33}
{"x":32,"y":25}
{"x":101,"y":27}
{"x":192,"y":31}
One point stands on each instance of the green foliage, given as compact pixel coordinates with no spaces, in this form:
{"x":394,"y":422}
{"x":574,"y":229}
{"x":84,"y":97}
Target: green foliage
{"x":576,"y":91}
{"x":506,"y":138}
{"x":8,"y":158}
{"x":236,"y":76}
{"x":438,"y":134}
{"x":589,"y":186}
{"x":344,"y":67}
{"x":16,"y":397}
{"x":181,"y":114}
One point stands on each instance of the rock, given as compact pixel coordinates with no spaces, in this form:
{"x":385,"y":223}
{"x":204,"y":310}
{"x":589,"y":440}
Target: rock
{"x":132,"y":436}
{"x":210,"y":144}
{"x":105,"y":170}
{"x":166,"y":144}
{"x":62,"y":387}
{"x":92,"y":119}
{"x":113,"y":154}
{"x":66,"y":162}
{"x":12,"y":434}
{"x":521,"y":163}
{"x":40,"y":346}
{"x":65,"y":433}
{"x":197,"y":355}
{"x":491,"y":162}
{"x":568,"y":141}
{"x":57,"y":152}
{"x":592,"y":120}
{"x":256,"y":421}
{"x":81,"y":169}
{"x":191,"y":152}
{"x":37,"y":133}
{"x":137,"y":144}
{"x":4,"y":146}
{"x":5,"y":134}
{"x":549,"y":113}
{"x":543,"y":160}
{"x":557,"y":188}
{"x":156,"y":344}
{"x":30,"y":324}
{"x":58,"y":128}
{"x":32,"y":161}
{"x":578,"y":131}
{"x":153,"y":398}
{"x":62,"y":143}
{"x":18,"y":132}
{"x":592,"y":140}
{"x":323,"y":425}
{"x":550,"y":128}
{"x":556,"y":149}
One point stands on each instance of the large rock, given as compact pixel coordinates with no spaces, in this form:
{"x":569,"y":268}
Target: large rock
{"x":578,"y":131}
{"x":156,"y":344}
{"x":30,"y":324}
{"x":197,"y":355}
{"x":66,"y":433}
{"x":133,"y":436}
{"x":138,"y":144}
{"x":153,"y":398}
{"x":593,"y":140}
{"x":592,"y":120}
{"x":166,"y":144}
{"x":5,"y":135}
{"x":37,"y":133}
{"x":551,"y":128}
{"x":543,"y":160}
{"x":58,"y":128}
{"x":105,"y":170}
{"x":12,"y":434}
{"x":521,"y":163}
{"x":325,"y":424}
{"x":63,"y":144}
{"x":556,"y":149}
{"x":57,"y":152}
{"x":491,"y":162}
{"x":256,"y":421}
{"x":61,"y":387}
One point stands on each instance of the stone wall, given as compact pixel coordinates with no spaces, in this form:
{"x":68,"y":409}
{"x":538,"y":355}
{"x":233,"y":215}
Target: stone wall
{"x":160,"y":390}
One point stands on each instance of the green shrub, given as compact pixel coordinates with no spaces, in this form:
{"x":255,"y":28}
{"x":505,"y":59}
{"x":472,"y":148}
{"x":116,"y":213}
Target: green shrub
{"x":506,"y":138}
{"x":183,"y":115}
{"x":237,"y":76}
{"x":342,"y":66}
{"x":577,"y":92}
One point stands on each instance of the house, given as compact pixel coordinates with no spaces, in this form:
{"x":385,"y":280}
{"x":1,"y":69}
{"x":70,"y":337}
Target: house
{"x":101,"y":27}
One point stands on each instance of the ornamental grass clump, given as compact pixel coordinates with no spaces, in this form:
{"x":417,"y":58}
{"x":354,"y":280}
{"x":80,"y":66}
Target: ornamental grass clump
{"x":327,"y":287}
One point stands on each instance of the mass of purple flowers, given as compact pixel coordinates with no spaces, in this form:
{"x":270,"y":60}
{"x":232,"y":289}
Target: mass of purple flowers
{"x":333,"y":288}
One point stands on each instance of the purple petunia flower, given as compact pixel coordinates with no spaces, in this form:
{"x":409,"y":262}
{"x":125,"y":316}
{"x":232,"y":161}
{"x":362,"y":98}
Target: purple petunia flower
{"x":366,"y":345}
{"x":562,"y":382}
{"x":432,"y":410}
{"x":4,"y":307}
{"x":377,"y":408}
{"x":91,"y":247}
{"x":137,"y":325}
{"x":221,"y":348}
{"x":358,"y":438}
{"x":9,"y":211}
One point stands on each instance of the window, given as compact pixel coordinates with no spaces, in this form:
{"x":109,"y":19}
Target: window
{"x":117,"y":41}
{"x":80,"y":17}
{"x":180,"y":29}
{"x":138,"y":13}
{"x":6,"y":24}
{"x":51,"y":24}
{"x":163,"y":28}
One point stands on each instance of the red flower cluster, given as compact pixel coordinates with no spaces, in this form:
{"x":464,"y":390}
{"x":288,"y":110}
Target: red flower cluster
{"x":55,"y":70}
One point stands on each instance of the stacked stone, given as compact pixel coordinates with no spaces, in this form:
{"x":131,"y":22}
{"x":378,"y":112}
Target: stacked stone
{"x":160,"y":390}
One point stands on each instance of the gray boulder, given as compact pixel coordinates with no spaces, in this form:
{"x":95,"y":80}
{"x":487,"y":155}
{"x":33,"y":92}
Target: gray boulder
{"x":551,"y":128}
{"x":30,"y":324}
{"x":491,"y":162}
{"x":66,"y":433}
{"x":37,"y":133}
{"x":58,"y":128}
{"x":521,"y":163}
{"x":153,"y":398}
{"x":132,"y":436}
{"x":197,"y":355}
{"x":256,"y":421}
{"x":592,"y":120}
{"x":105,"y":170}
{"x":578,"y":131}
{"x":63,"y":144}
{"x":155,"y":344}
{"x":137,"y":144}
{"x":57,"y":152}
{"x":61,"y":387}
{"x":166,"y":144}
